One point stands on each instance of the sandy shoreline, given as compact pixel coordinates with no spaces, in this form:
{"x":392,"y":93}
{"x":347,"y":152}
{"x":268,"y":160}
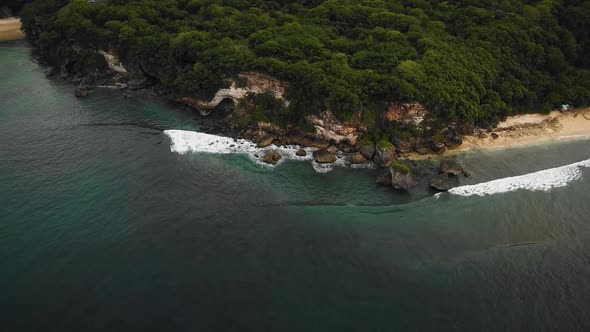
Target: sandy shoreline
{"x":525,"y":130}
{"x":10,"y":29}
{"x":532,"y":129}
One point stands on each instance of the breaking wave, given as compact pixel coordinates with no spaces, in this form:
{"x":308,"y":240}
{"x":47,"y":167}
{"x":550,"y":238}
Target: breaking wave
{"x":538,"y":181}
{"x":183,"y":141}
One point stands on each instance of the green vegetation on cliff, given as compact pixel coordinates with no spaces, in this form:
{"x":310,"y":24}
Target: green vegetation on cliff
{"x":473,"y":61}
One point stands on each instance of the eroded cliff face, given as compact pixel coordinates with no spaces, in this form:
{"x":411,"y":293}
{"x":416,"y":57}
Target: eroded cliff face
{"x":113,"y":62}
{"x":405,"y":112}
{"x":250,"y":83}
{"x":331,"y":129}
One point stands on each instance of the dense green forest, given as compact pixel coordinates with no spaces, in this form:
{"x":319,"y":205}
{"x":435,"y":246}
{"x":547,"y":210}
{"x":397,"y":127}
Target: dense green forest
{"x":471,"y":60}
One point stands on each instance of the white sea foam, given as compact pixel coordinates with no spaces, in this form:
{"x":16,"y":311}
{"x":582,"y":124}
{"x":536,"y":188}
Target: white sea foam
{"x":538,"y":181}
{"x":184,"y":141}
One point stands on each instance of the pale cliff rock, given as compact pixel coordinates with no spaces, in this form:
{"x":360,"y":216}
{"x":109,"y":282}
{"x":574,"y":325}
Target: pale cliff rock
{"x":113,"y":62}
{"x":254,"y":82}
{"x":329,"y":128}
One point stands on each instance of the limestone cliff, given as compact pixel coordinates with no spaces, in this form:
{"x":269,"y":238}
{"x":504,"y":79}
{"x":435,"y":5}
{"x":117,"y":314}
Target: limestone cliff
{"x":250,"y":83}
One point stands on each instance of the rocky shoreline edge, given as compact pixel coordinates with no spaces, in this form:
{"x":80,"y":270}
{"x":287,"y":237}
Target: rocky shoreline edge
{"x":329,"y":138}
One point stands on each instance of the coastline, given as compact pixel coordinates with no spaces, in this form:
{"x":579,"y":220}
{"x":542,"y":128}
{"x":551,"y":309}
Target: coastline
{"x":10,"y":29}
{"x":524,"y":130}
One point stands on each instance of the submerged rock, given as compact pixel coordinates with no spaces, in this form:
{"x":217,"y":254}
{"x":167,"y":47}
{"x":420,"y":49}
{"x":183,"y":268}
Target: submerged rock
{"x":272,"y":157}
{"x":323,"y":156}
{"x":81,"y":92}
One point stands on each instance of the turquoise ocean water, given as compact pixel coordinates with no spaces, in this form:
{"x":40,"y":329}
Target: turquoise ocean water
{"x":104,"y":228}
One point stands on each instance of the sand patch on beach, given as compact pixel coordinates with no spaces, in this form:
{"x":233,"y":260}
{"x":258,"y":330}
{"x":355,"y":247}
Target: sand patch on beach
{"x":10,"y":29}
{"x":533,"y":128}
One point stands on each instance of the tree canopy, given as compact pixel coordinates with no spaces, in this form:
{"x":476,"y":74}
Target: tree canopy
{"x":473,"y":60}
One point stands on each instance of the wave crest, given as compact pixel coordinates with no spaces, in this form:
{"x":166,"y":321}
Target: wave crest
{"x":183,"y":141}
{"x":538,"y":181}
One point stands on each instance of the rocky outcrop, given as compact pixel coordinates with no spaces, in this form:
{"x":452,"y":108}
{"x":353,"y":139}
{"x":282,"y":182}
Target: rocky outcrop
{"x":384,"y":154}
{"x":330,"y":128}
{"x":367,"y":150}
{"x":357,"y":158}
{"x":397,"y":179}
{"x":323,"y":156}
{"x":442,"y":182}
{"x":405,"y":112}
{"x":451,"y":167}
{"x":271,"y":157}
{"x":448,"y":178}
{"x":401,"y":181}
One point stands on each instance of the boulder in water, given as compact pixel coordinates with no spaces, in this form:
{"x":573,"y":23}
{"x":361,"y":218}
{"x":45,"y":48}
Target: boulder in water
{"x":401,"y":180}
{"x":397,"y":177}
{"x":442,"y":182}
{"x":301,"y":152}
{"x":272,"y":157}
{"x":323,"y":156}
